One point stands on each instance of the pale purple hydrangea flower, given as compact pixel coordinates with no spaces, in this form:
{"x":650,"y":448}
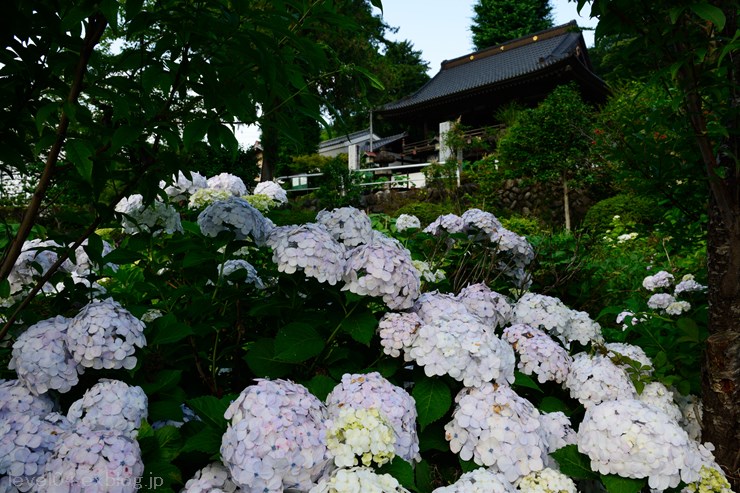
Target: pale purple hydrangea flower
{"x":397,"y":332}
{"x":407,"y":221}
{"x":236,"y":215}
{"x":482,"y":221}
{"x":595,"y":378}
{"x":34,"y":261}
{"x":661,"y":279}
{"x":480,"y":480}
{"x":491,"y":307}
{"x":104,"y":461}
{"x":449,"y":223}
{"x":347,"y":225}
{"x":105,"y":335}
{"x":546,"y":481}
{"x":557,"y":431}
{"x":214,"y":478}
{"x":111,"y":405}
{"x":660,"y":301}
{"x":499,"y":429}
{"x":633,"y":319}
{"x":83,"y":266}
{"x":273,"y":190}
{"x":309,"y":247}
{"x":636,"y":440}
{"x":276,"y":437}
{"x":435,"y":306}
{"x":249,"y":273}
{"x":41,"y":359}
{"x":181,"y":187}
{"x":228,"y":182}
{"x":538,"y":353}
{"x":358,"y":480}
{"x":582,"y":328}
{"x":465,"y":349}
{"x":156,"y":217}
{"x":658,"y":395}
{"x":688,"y":285}
{"x":677,"y":308}
{"x":554,"y":317}
{"x":373,"y":391}
{"x":384,"y":270}
{"x":17,"y":398}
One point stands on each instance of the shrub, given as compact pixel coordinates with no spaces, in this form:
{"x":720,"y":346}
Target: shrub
{"x":640,"y":210}
{"x":425,"y":211}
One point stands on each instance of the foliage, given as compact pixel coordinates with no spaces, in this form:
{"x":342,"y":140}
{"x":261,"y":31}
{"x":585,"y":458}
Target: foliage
{"x":338,"y":186}
{"x":636,"y":209}
{"x":426,"y":211}
{"x":495,"y":22}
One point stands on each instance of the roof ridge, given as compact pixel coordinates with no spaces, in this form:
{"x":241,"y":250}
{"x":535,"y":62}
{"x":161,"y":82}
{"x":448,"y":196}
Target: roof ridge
{"x":511,"y":44}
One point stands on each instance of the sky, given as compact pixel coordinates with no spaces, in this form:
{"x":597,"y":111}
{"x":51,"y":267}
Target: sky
{"x":440,"y":29}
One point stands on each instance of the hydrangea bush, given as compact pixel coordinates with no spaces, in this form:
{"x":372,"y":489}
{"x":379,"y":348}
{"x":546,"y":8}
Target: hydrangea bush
{"x":337,"y":356}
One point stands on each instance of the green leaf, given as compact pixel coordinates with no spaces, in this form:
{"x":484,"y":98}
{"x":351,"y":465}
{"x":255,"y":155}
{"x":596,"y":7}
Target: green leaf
{"x":433,"y":438}
{"x":551,"y":404}
{"x":261,"y":360}
{"x":110,"y":11}
{"x":4,"y":289}
{"x":377,"y":3}
{"x":361,"y":326}
{"x":207,"y":440}
{"x":168,"y":330}
{"x":468,"y":465}
{"x":523,"y":380}
{"x":674,"y":12}
{"x":123,"y":136}
{"x":43,"y":114}
{"x":122,"y":256}
{"x":433,"y":400}
{"x":80,"y":153}
{"x":423,"y":476}
{"x":163,"y":380}
{"x":573,"y":463}
{"x":297,"y":342}
{"x":401,"y":470}
{"x":710,"y":13}
{"x":211,"y":410}
{"x":618,"y":484}
{"x":194,"y":132}
{"x":165,"y":410}
{"x":94,"y":248}
{"x":168,"y":439}
{"x":320,"y":386}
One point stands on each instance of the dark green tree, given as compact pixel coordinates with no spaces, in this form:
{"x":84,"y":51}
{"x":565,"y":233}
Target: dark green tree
{"x":497,"y":21}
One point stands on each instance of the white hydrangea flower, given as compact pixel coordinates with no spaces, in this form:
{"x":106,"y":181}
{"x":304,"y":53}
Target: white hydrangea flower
{"x":41,"y":359}
{"x":677,"y":308}
{"x":485,"y":222}
{"x":83,"y":266}
{"x":397,"y":332}
{"x":435,"y":306}
{"x":111,"y":405}
{"x":347,"y":225}
{"x":181,"y":187}
{"x":449,"y":223}
{"x":250,"y":273}
{"x":26,"y":443}
{"x":538,"y":353}
{"x":156,"y":217}
{"x":207,"y":196}
{"x":636,"y":440}
{"x":688,"y":285}
{"x":101,"y":461}
{"x":661,"y":279}
{"x":626,"y":237}
{"x":105,"y":335}
{"x":236,"y":215}
{"x":426,"y":272}
{"x":491,"y":307}
{"x":407,"y":221}
{"x":465,"y":349}
{"x":479,"y":481}
{"x":594,"y":378}
{"x":362,"y":433}
{"x":499,"y":429}
{"x":17,"y":398}
{"x":34,"y":261}
{"x":660,"y":301}
{"x":546,"y":481}
{"x":214,"y":478}
{"x":358,"y":480}
{"x":656,"y":394}
{"x":372,"y":391}
{"x":276,"y":437}
{"x":542,"y":311}
{"x":228,"y":182}
{"x":691,"y":414}
{"x":582,"y":328}
{"x":518,"y":254}
{"x":384,"y":270}
{"x":635,"y":353}
{"x":633,"y":319}
{"x":273,"y":190}
{"x":309,"y":247}
{"x":557,"y":431}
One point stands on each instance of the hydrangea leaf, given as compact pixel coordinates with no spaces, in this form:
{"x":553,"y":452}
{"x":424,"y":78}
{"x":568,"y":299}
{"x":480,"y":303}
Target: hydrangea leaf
{"x":401,"y":470}
{"x":261,"y":360}
{"x":550,"y":404}
{"x":360,"y":326}
{"x":211,"y":410}
{"x":297,"y":342}
{"x":433,"y":400}
{"x":207,"y":440}
{"x":80,"y":152}
{"x":168,"y":330}
{"x":165,"y":410}
{"x":4,"y":289}
{"x":433,"y":438}
{"x":320,"y":386}
{"x":163,"y":380}
{"x":573,"y":463}
{"x":619,"y":484}
{"x":423,"y":476}
{"x":522,"y":380}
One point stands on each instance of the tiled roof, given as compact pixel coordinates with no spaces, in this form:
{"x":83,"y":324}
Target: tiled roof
{"x":497,"y":64}
{"x":379,"y":143}
{"x":346,"y":138}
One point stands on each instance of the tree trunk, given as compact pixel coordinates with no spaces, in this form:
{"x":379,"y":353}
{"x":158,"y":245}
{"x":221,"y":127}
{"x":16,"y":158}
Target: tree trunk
{"x":566,"y":203}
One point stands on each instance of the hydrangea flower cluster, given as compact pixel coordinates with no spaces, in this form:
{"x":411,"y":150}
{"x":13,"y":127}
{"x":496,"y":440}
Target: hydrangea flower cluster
{"x":499,"y":429}
{"x":660,"y":301}
{"x":228,"y":182}
{"x":491,"y":307}
{"x":557,"y":431}
{"x":636,"y":440}
{"x":347,"y":225}
{"x":156,"y":218}
{"x":181,"y":187}
{"x":407,"y":221}
{"x":273,"y":190}
{"x":358,"y":480}
{"x":236,"y":215}
{"x":660,"y":279}
{"x":207,"y":196}
{"x":595,"y":378}
{"x":362,"y":433}
{"x":711,"y":480}
{"x":546,"y":481}
{"x":259,"y":201}
{"x":538,"y":353}
{"x":16,"y":398}
{"x":105,"y":335}
{"x":450,"y":223}
{"x":397,"y":332}
{"x":657,"y":395}
{"x":426,"y":272}
{"x":478,"y":220}
{"x":110,"y":405}
{"x":276,"y":437}
{"x":553,"y":316}
{"x":248,"y":271}
{"x":95,"y":461}
{"x":214,"y":478}
{"x":41,"y":358}
{"x":688,"y":285}
{"x":384,"y":270}
{"x":373,"y":392}
{"x":83,"y":265}
{"x":35,"y":259}
{"x":479,"y":481}
{"x":309,"y":247}
{"x":617,"y":350}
